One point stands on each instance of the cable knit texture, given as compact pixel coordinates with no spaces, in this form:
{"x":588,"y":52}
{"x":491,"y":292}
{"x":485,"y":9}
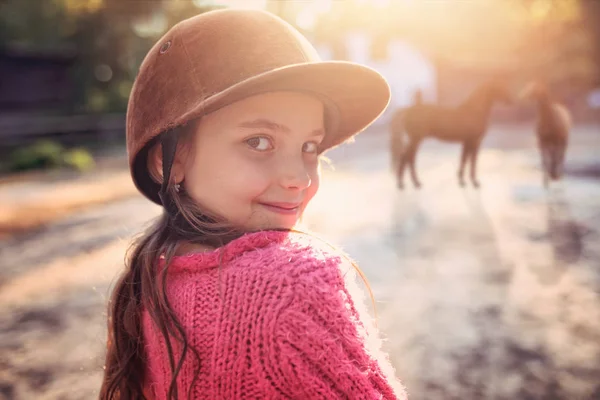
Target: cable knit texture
{"x":272,"y":315}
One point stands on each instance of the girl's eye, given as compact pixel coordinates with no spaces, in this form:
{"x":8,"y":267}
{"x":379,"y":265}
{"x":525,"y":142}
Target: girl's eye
{"x":310,"y":147}
{"x":260,"y":143}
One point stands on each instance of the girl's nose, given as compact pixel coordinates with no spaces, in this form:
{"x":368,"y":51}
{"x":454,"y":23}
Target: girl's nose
{"x":294,"y":175}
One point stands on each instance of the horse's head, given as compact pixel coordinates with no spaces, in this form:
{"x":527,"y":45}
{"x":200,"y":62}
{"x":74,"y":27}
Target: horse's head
{"x":498,"y":92}
{"x":533,"y":91}
{"x":486,"y":94}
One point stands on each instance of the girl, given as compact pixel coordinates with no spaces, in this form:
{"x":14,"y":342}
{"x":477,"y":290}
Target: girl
{"x":222,"y":299}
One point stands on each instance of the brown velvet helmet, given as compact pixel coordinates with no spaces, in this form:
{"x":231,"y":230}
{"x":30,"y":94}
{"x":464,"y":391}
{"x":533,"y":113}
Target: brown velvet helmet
{"x":216,"y":58}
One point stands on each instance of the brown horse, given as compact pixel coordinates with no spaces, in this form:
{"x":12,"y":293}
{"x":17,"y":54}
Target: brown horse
{"x":552,"y":130}
{"x":397,"y":127}
{"x":465,"y":124}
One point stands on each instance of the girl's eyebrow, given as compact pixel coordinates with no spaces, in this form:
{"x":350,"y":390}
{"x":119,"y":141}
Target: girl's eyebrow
{"x":262,"y":123}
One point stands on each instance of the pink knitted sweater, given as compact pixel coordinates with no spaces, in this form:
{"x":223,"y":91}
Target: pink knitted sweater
{"x":275,"y":320}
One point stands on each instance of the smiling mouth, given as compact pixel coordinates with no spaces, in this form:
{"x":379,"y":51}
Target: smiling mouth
{"x":283,"y":208}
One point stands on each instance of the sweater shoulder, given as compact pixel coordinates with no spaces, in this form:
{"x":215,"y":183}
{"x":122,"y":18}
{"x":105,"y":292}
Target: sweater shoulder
{"x":299,"y":257}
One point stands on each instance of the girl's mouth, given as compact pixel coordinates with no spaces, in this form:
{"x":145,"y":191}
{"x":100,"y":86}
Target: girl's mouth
{"x":283,"y":208}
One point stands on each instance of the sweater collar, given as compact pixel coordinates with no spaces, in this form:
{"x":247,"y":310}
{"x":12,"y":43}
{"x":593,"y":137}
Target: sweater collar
{"x":247,"y":242}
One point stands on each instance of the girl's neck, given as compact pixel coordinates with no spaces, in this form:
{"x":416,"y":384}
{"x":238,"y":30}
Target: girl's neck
{"x":186,"y":248}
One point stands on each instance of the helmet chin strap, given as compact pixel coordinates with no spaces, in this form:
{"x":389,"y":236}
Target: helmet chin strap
{"x":169,"y":147}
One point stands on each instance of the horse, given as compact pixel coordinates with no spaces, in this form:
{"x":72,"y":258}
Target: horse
{"x":466,"y":124}
{"x":552,"y":130}
{"x":397,"y":125}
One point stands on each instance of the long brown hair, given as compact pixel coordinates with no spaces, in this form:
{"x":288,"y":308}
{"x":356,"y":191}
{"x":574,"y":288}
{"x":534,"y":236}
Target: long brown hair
{"x":143,"y":286}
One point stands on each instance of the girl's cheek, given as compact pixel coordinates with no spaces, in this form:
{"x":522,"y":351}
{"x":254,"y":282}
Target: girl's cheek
{"x":315,"y":181}
{"x":256,"y":177}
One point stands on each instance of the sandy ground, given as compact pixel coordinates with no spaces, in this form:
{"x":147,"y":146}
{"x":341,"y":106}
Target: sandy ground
{"x":481,"y":294}
{"x":32,"y":200}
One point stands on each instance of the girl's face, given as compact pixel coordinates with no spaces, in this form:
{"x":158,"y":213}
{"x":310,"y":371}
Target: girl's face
{"x":255,"y":161}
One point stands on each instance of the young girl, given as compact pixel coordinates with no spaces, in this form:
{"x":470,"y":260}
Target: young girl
{"x":222,"y":298}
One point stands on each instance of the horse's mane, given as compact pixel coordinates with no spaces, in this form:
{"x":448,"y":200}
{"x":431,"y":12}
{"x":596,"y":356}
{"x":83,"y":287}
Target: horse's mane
{"x":477,"y":96}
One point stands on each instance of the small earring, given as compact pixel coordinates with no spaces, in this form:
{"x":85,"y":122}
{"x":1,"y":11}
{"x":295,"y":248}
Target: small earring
{"x":177,"y":186}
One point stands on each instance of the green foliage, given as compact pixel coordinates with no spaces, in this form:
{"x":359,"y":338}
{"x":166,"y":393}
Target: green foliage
{"x":43,"y":154}
{"x":33,"y":23}
{"x":78,"y":159}
{"x":46,"y":154}
{"x":99,"y":32}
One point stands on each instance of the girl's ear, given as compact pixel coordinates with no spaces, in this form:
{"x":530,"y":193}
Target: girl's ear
{"x":155,"y":167}
{"x":155,"y":163}
{"x":179,"y":163}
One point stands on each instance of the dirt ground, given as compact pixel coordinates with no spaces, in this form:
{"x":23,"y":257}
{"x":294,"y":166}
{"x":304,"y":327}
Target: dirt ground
{"x":481,"y":294}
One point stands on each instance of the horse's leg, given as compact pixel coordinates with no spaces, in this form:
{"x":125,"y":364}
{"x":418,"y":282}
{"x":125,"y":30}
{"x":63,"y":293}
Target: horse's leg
{"x":463,"y":161}
{"x":474,"y":152}
{"x":402,"y":165}
{"x":412,"y":157}
{"x":560,"y":168}
{"x":545,"y":164}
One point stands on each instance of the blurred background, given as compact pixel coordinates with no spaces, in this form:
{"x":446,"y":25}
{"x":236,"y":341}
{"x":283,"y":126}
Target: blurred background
{"x":481,"y":294}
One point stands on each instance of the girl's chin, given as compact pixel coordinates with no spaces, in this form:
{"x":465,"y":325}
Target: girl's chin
{"x":275,"y":225}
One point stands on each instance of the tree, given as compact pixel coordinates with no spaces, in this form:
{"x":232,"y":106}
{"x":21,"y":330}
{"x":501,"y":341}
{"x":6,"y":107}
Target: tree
{"x":104,"y":34}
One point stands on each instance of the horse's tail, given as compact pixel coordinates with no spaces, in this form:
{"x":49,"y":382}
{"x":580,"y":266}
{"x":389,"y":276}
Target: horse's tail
{"x":397,"y":131}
